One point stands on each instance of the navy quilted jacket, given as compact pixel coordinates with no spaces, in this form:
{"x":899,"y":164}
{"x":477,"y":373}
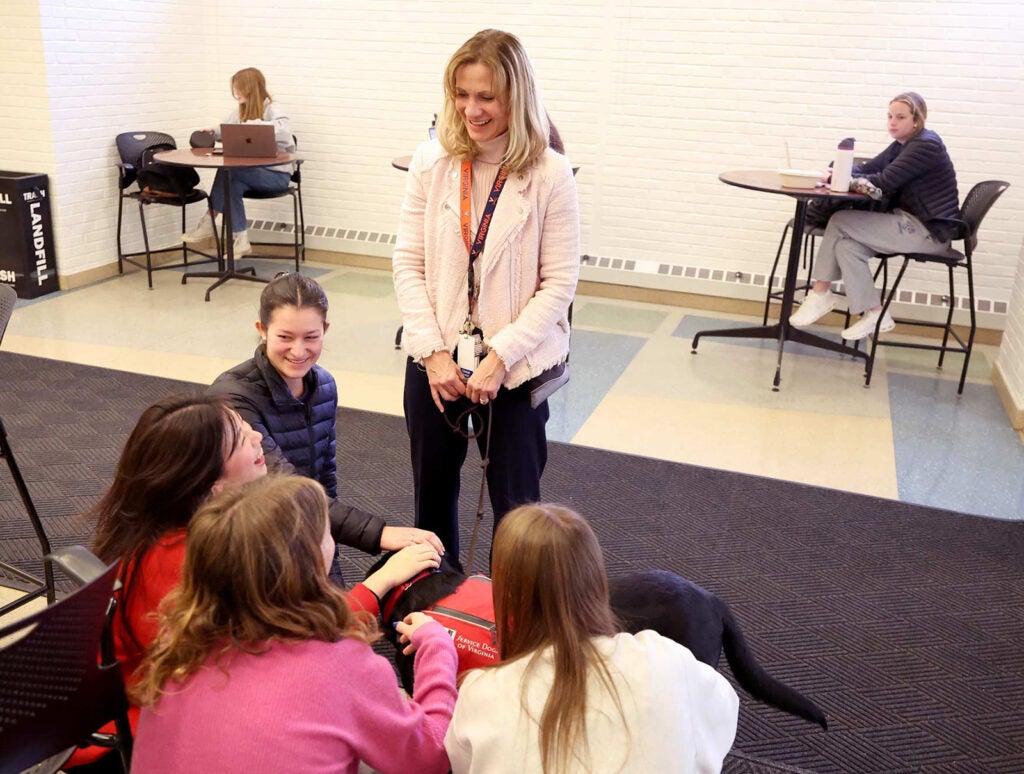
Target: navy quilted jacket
{"x":918,"y":177}
{"x":298,"y":434}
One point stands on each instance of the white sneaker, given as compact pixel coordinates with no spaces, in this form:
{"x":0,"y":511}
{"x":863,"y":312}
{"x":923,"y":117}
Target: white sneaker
{"x":203,"y":232}
{"x":815,"y":306}
{"x":865,"y":326}
{"x":241,"y":244}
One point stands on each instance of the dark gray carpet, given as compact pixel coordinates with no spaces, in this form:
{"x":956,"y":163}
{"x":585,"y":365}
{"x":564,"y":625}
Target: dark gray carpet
{"x":904,"y":623}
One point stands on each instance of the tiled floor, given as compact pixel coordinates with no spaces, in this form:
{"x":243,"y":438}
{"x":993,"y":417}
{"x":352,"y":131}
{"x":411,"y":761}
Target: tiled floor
{"x":635,"y":386}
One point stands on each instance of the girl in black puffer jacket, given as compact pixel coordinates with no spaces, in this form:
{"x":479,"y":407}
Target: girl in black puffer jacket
{"x":293,"y":402}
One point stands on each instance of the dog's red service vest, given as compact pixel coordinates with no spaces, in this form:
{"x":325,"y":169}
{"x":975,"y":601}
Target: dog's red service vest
{"x":468,"y":615}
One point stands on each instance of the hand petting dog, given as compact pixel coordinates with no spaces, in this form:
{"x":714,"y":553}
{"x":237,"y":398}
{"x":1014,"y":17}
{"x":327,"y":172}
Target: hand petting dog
{"x":402,"y":566}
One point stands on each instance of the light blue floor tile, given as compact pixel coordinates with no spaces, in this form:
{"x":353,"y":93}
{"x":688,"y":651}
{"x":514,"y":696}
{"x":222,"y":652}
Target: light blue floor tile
{"x":618,"y":318}
{"x":924,"y":362}
{"x":596,"y":362}
{"x":955,"y":453}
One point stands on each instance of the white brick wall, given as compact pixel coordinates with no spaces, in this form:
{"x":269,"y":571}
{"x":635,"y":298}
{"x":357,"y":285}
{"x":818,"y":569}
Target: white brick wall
{"x":26,"y":144}
{"x":654,"y":100}
{"x":1010,"y":361}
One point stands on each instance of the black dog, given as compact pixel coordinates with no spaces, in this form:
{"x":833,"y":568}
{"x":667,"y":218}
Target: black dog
{"x":652,"y":599}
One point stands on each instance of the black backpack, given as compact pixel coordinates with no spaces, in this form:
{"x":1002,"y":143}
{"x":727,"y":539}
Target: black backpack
{"x":156,"y":179}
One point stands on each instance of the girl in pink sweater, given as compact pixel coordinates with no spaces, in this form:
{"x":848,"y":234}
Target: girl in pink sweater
{"x":262,"y":666}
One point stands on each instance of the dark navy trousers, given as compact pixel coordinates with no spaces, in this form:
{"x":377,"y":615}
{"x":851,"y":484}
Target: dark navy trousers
{"x":518,"y":453}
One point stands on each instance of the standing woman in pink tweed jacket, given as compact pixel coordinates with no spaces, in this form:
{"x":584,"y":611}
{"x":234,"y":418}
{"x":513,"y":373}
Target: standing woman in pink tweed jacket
{"x":485,"y":268}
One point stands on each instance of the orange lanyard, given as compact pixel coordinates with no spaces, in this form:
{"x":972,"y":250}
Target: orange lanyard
{"x":475,"y":247}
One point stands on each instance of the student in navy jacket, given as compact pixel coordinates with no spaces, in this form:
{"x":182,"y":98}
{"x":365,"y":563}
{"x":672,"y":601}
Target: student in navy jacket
{"x":916,"y":175}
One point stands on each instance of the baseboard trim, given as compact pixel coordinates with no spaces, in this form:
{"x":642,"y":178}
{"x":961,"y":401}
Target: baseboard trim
{"x":1014,"y":410}
{"x":613,"y":290}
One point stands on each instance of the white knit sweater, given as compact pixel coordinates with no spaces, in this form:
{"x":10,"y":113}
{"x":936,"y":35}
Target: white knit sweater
{"x":677,"y":714}
{"x":527,"y":271}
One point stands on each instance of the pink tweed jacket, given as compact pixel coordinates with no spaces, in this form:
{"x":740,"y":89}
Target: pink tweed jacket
{"x":527,"y":272}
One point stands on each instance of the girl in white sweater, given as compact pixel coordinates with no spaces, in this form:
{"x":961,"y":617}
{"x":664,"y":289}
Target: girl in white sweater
{"x":571,"y":694}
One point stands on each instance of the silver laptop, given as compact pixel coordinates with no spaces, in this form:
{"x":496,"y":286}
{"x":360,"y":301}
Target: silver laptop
{"x":248,"y":140}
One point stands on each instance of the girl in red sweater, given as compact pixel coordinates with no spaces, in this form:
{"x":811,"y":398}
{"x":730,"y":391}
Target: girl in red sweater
{"x":183,"y":449}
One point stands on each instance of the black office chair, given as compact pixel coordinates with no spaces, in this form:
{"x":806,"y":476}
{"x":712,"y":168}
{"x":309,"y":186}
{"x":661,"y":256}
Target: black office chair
{"x":14,"y":577}
{"x":8,"y":299}
{"x":60,"y":680}
{"x":976,"y":205}
{"x":130,"y":146}
{"x":294,"y":190}
{"x":10,"y":575}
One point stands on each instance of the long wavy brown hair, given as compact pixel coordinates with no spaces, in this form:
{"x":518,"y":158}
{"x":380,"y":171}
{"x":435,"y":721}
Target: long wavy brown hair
{"x":550,"y":590}
{"x":251,"y":84}
{"x":254,"y":574}
{"x":168,"y":466}
{"x":514,"y":85}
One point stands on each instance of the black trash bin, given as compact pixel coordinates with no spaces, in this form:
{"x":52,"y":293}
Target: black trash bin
{"x":28,"y":260}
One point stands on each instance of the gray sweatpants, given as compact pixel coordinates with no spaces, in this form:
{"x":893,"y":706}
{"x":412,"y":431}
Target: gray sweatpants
{"x":853,"y":237}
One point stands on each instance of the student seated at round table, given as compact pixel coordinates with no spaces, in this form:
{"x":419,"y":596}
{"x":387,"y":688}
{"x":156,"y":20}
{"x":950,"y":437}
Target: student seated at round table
{"x":917,"y":177}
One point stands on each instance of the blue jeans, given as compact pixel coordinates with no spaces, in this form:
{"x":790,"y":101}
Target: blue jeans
{"x":242,"y":180}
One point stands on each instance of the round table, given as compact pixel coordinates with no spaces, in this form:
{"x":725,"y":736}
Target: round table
{"x":768,"y":181}
{"x":204,"y":158}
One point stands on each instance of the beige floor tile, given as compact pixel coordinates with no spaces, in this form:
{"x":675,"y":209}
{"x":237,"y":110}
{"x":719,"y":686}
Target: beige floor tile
{"x":371,"y":392}
{"x":844,"y":452}
{"x":742,"y":375}
{"x":10,"y":595}
{"x":194,"y":368}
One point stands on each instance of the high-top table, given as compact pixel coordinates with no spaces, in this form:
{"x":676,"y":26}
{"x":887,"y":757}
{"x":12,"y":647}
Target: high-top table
{"x":204,"y":158}
{"x":768,"y":181}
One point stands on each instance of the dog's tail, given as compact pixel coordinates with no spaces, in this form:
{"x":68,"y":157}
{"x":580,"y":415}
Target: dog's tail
{"x":757,"y":682}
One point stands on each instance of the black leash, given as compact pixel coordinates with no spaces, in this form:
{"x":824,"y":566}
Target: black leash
{"x":456,"y":427}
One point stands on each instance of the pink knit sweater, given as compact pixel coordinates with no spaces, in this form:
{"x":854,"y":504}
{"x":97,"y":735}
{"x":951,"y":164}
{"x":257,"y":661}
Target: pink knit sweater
{"x":527,"y":272}
{"x":310,"y":707}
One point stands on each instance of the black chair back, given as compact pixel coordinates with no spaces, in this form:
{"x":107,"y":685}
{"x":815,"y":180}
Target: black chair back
{"x":130,"y":146}
{"x":55,"y":690}
{"x":976,"y":205}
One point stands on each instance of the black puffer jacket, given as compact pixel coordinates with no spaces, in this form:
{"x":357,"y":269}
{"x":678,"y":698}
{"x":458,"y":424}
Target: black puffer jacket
{"x":298,"y":435}
{"x":918,"y":176}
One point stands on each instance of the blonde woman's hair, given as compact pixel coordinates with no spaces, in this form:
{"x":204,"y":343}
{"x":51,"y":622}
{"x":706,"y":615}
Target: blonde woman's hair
{"x":550,"y":589}
{"x":917,"y":105}
{"x":251,"y":84}
{"x":513,"y":83}
{"x":254,"y":574}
